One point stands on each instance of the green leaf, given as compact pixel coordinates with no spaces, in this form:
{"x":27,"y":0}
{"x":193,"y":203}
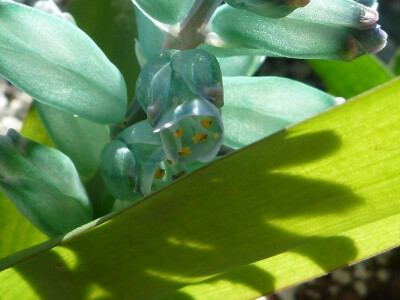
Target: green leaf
{"x":80,"y":139}
{"x":348,"y":79}
{"x":307,"y":200}
{"x":395,"y":63}
{"x":150,"y":37}
{"x":16,"y":232}
{"x":240,"y":65}
{"x":256,"y":107}
{"x":165,"y":11}
{"x":298,"y":35}
{"x":56,"y":63}
{"x":111,"y":24}
{"x":43,"y":184}
{"x":12,"y":223}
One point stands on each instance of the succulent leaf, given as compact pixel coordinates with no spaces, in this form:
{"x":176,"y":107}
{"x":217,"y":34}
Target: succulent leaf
{"x":58,"y":64}
{"x":303,"y":34}
{"x":150,"y":37}
{"x":80,"y":139}
{"x":245,"y":65}
{"x":256,"y":107}
{"x":43,"y":184}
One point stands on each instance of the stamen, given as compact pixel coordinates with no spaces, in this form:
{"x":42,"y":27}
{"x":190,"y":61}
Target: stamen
{"x":159,"y":173}
{"x":206,"y":122}
{"x":184,"y":151}
{"x":199,"y":137}
{"x":178,"y":175}
{"x":169,"y":161}
{"x":216,"y":136}
{"x":178,"y":133}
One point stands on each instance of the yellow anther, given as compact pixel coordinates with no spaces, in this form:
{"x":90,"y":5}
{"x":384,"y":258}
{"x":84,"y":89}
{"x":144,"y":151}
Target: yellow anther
{"x":184,"y":151}
{"x":205,"y":122}
{"x":178,"y":175}
{"x":159,"y":173}
{"x":199,"y":137}
{"x":216,"y":136}
{"x":178,"y":133}
{"x":169,"y":161}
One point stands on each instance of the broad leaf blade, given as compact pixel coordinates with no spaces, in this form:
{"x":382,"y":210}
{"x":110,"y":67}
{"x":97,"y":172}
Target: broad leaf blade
{"x":297,"y":197}
{"x":348,"y":79}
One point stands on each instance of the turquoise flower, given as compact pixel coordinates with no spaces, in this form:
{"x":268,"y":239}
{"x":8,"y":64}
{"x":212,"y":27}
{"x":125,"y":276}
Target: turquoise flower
{"x":135,"y":164}
{"x":181,"y":92}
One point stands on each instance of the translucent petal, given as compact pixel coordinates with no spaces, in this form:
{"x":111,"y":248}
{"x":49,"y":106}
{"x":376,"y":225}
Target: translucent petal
{"x":179,"y":90}
{"x":256,"y":107}
{"x":58,"y":64}
{"x":117,"y":170}
{"x":269,"y":8}
{"x":43,"y":184}
{"x":129,"y":163}
{"x":243,"y":33}
{"x":195,"y":132}
{"x":166,"y":173}
{"x":80,"y":139}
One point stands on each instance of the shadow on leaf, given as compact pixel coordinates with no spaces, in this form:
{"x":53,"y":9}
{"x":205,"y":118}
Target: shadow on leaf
{"x":211,"y":231}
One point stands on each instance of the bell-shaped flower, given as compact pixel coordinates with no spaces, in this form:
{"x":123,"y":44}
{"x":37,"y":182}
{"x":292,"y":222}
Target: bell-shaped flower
{"x":269,"y":8}
{"x":134,"y":164}
{"x":43,"y":184}
{"x":181,"y":92}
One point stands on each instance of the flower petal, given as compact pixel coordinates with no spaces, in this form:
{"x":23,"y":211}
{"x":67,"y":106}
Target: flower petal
{"x":129,"y":163}
{"x":179,"y":90}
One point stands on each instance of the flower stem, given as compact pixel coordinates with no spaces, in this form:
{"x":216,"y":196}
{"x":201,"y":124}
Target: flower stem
{"x":189,"y":35}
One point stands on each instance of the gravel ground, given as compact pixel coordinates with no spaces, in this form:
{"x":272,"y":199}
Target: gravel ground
{"x":377,"y":278}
